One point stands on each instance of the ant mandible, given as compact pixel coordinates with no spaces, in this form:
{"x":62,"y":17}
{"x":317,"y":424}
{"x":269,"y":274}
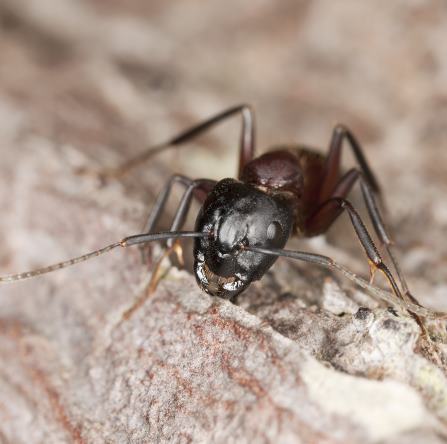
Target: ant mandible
{"x":244,"y":224}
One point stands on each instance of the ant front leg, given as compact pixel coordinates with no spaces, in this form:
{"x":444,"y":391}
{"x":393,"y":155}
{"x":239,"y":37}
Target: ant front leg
{"x":198,"y":188}
{"x":333,"y":207}
{"x":162,"y":198}
{"x":246,"y":143}
{"x":370,"y":190}
{"x":326,"y":214}
{"x":385,"y":238}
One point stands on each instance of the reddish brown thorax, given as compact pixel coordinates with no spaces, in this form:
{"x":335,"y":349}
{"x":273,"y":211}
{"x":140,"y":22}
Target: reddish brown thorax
{"x":293,"y":171}
{"x":275,"y":170}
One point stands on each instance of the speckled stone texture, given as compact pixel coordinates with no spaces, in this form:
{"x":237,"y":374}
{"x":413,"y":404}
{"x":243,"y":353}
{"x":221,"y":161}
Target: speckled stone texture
{"x":305,"y":356}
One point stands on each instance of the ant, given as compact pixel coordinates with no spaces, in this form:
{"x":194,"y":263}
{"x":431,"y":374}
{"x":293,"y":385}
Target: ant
{"x":244,"y":224}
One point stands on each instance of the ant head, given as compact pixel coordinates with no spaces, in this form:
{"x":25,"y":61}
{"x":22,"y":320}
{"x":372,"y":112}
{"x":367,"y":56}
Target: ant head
{"x":236,"y":215}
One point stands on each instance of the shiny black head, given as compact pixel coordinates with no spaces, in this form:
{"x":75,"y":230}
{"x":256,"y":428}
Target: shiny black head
{"x":236,"y":215}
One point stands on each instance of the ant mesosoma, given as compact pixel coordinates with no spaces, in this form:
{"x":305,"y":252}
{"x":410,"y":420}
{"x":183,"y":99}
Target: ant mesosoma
{"x":244,"y":224}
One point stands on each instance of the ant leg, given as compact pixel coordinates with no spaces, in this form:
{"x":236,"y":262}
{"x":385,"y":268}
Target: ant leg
{"x":333,"y":207}
{"x":203,"y":186}
{"x":382,"y":234}
{"x":385,"y":238}
{"x":199,"y":188}
{"x":370,"y":189}
{"x":369,"y":185}
{"x":329,"y":263}
{"x":200,"y":185}
{"x":333,"y":162}
{"x":342,"y":189}
{"x":326,"y":215}
{"x":162,"y":198}
{"x":194,"y":186}
{"x":246,"y":144}
{"x":157,"y":210}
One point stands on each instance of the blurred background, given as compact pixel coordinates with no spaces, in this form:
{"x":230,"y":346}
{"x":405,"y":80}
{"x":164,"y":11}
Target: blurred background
{"x":92,"y":82}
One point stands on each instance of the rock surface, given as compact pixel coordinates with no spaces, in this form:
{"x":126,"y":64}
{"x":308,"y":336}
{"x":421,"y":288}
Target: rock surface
{"x":305,"y":356}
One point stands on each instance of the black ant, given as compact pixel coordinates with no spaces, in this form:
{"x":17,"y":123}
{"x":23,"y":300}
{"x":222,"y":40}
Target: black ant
{"x":244,"y":224}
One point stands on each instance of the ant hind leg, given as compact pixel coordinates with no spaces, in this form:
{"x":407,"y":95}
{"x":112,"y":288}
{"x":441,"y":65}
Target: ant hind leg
{"x":246,"y":143}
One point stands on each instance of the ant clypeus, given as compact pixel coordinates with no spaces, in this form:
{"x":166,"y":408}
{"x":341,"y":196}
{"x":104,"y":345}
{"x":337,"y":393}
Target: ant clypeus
{"x":244,"y":224}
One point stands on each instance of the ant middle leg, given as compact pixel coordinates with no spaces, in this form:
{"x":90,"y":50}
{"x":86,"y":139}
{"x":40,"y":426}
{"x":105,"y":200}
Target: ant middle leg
{"x":246,"y":143}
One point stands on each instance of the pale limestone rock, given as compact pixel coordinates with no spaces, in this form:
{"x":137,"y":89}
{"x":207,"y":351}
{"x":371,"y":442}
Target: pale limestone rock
{"x":305,"y":357}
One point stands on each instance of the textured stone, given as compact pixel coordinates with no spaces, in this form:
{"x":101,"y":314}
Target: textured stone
{"x":305,"y":356}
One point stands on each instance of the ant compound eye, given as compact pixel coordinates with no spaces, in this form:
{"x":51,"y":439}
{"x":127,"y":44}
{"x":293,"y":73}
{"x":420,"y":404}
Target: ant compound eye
{"x":274,"y":231}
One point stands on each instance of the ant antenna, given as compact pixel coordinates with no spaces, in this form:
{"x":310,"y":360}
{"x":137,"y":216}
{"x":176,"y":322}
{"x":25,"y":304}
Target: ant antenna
{"x":331,"y":264}
{"x":126,"y":242}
